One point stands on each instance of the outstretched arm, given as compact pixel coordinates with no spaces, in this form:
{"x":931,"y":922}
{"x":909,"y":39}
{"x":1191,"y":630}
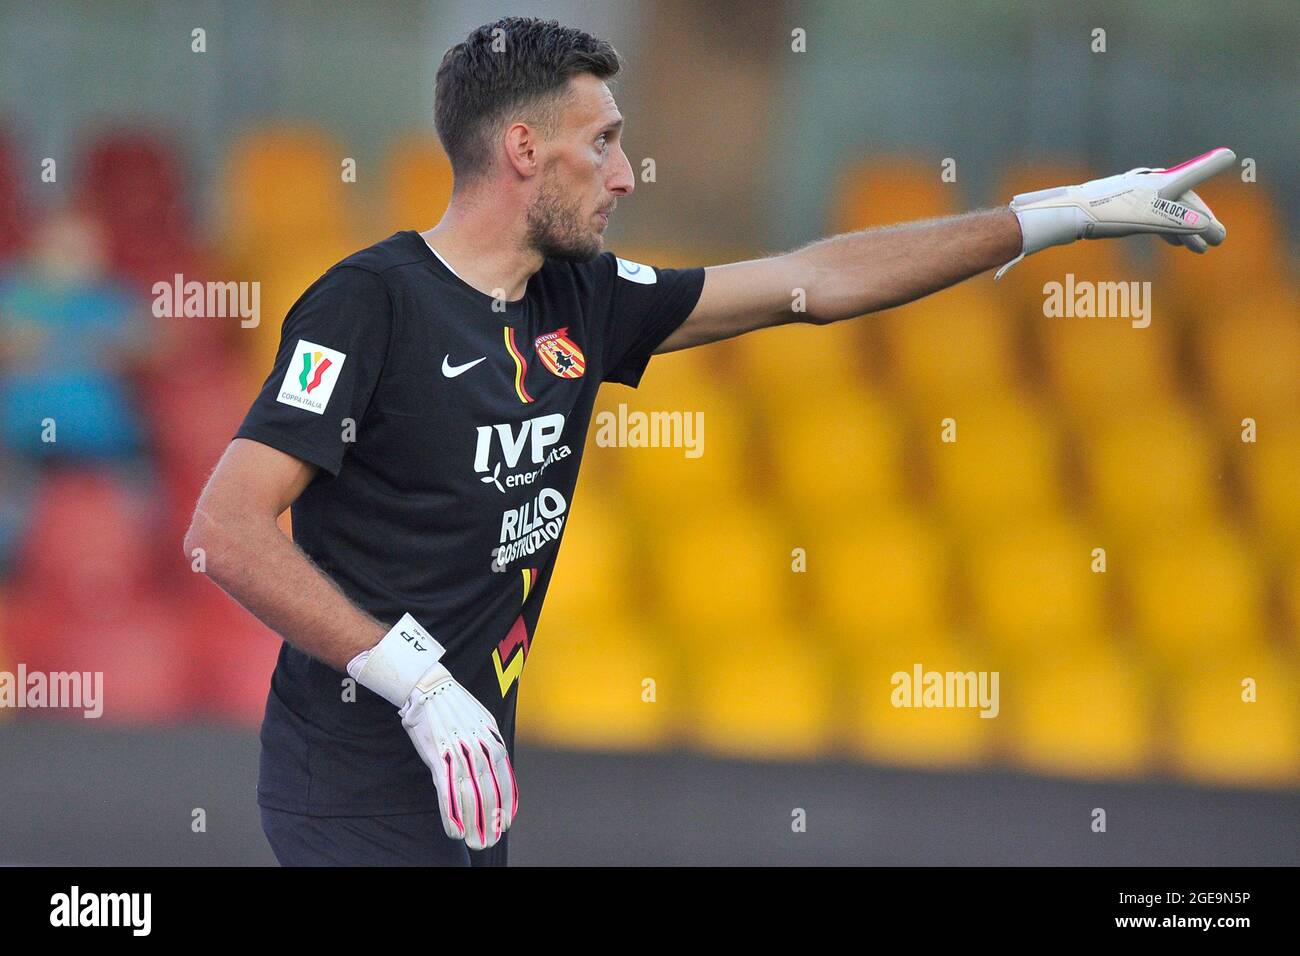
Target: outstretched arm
{"x":847,"y":275}
{"x":861,"y":272}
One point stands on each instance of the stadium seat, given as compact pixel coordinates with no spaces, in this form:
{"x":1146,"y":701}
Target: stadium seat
{"x":1151,"y":471}
{"x":1003,"y":466}
{"x":1099,"y":369}
{"x":838,"y":456}
{"x":1034,"y":592}
{"x":285,"y":198}
{"x":1221,"y":739}
{"x":87,"y":569}
{"x":883,"y":190}
{"x":1269,"y":467}
{"x":1290,"y":595}
{"x":724,"y":566}
{"x":233,"y":655}
{"x":878,"y":574}
{"x":948,"y":346}
{"x":760,"y":696}
{"x":15,"y":206}
{"x":593,"y":683}
{"x":1195,"y":592}
{"x":1075,"y":712}
{"x":914,"y":736}
{"x":784,"y":371}
{"x":592,"y":576}
{"x":682,"y":389}
{"x":417,"y":184}
{"x":131,"y":182}
{"x":1250,"y":352}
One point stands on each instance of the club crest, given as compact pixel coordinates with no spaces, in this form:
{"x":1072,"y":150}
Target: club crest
{"x":560,"y":354}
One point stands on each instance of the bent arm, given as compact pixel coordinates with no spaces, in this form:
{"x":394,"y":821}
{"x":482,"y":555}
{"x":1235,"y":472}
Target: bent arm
{"x":847,"y":275}
{"x":248,"y":556}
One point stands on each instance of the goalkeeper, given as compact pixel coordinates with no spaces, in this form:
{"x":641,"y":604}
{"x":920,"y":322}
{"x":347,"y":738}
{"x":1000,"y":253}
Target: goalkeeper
{"x":425,"y":420}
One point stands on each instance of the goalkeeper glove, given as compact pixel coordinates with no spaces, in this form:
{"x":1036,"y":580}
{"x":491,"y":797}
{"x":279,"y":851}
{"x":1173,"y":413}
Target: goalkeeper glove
{"x":1158,"y":201}
{"x":455,"y":735}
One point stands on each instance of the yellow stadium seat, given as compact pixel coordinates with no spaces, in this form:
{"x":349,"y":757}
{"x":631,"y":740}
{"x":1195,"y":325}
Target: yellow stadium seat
{"x":1101,"y":369}
{"x":1221,"y":738}
{"x":842,"y":455}
{"x":785,"y":371}
{"x":951,"y":344}
{"x":1251,"y":258}
{"x":760,"y":696}
{"x":682,"y":398}
{"x":283,"y":191}
{"x":1002,"y":466}
{"x":1251,"y":352}
{"x":1079,"y":713}
{"x":600,"y":684}
{"x":1194,"y":592}
{"x":882,"y":678}
{"x":1034,"y":590}
{"x":1269,"y":467}
{"x":592,"y":576}
{"x":884,"y":190}
{"x":417,"y":184}
{"x":1151,"y":471}
{"x":878,"y":574}
{"x":1290,"y":594}
{"x":725,"y":565}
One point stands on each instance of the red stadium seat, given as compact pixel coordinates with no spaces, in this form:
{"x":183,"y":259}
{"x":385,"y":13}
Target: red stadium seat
{"x":131,"y":182}
{"x":232,"y":655}
{"x":15,"y":213}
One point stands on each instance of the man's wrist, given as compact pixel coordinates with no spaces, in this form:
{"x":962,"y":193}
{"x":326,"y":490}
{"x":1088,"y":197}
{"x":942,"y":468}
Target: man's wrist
{"x":395,"y":665}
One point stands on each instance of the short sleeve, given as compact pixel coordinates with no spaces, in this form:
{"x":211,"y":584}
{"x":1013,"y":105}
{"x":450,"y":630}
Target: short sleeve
{"x":645,"y":306}
{"x":332,"y":348}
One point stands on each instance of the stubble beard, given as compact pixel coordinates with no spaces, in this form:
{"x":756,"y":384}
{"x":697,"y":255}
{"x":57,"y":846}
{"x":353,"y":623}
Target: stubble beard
{"x":556,"y":230}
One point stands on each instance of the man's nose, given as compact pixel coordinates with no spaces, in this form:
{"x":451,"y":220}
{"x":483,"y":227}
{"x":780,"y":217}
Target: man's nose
{"x":623,"y":181}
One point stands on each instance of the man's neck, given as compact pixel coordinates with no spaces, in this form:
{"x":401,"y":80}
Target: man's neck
{"x":470,"y":240}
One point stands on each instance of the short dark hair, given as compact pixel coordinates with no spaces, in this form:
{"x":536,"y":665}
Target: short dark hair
{"x":491,"y":76}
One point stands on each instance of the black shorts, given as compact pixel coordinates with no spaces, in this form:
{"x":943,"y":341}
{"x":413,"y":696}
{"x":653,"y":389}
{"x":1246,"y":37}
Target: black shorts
{"x":403,"y":839}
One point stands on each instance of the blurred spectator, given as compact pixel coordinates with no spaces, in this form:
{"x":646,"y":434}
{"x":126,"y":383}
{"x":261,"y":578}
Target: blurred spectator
{"x":69,"y":337}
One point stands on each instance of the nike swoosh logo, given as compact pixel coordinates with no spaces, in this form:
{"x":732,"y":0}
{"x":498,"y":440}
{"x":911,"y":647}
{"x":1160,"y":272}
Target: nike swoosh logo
{"x":451,"y":371}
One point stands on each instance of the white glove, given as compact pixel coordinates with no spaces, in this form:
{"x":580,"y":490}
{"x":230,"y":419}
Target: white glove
{"x":455,"y":735}
{"x":1141,"y":200}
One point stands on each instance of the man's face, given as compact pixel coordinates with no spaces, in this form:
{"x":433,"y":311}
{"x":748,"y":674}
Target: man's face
{"x":584,"y":171}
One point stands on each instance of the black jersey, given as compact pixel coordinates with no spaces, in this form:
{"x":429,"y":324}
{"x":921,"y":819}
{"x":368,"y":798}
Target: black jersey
{"x":448,"y":428}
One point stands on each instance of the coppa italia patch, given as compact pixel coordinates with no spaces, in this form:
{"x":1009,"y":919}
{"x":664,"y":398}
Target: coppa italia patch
{"x":560,"y":354}
{"x":310,"y":378}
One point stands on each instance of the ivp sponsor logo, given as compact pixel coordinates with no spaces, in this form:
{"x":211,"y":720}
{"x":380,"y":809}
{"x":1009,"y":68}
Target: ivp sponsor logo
{"x":501,"y":444}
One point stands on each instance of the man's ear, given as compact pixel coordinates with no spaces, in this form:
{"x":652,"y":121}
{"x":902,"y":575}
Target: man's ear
{"x":521,"y":144}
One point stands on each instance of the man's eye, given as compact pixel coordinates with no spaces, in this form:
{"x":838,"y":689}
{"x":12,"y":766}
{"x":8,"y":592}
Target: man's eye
{"x":602,"y":141}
